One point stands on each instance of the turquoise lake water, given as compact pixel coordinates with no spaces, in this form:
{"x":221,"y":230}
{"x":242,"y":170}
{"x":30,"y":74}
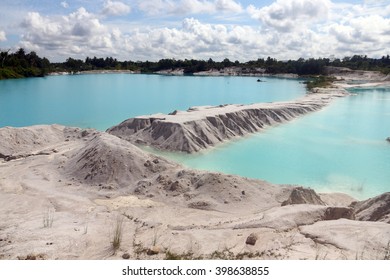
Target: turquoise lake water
{"x":101,"y":101}
{"x":341,"y":148}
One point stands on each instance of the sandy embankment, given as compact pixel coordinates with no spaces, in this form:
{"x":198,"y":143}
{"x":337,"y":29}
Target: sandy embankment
{"x":63,"y":191}
{"x":203,"y":127}
{"x":228,"y":71}
{"x":94,"y":72}
{"x":347,"y":78}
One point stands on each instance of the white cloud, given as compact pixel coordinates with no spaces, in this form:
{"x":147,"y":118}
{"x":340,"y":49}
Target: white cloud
{"x":189,"y":7}
{"x":115,"y":8}
{"x":155,"y":7}
{"x":2,"y":36}
{"x":228,"y":6}
{"x":82,"y":33}
{"x":201,"y":40}
{"x":78,"y":32}
{"x":286,"y":15}
{"x":65,"y":4}
{"x":362,"y":35}
{"x":322,"y":28}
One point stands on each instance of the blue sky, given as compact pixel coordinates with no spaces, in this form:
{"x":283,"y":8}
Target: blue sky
{"x":243,"y":30}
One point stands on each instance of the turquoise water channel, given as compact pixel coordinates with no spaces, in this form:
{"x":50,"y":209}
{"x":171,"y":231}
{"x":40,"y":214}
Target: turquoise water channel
{"x":341,"y":148}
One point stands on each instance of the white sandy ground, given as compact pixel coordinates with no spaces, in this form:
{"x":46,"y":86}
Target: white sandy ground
{"x":64,"y":190}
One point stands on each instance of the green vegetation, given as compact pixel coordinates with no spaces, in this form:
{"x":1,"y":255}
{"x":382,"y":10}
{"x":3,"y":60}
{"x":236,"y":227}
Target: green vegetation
{"x":9,"y":74}
{"x":21,"y":64}
{"x":360,"y":62}
{"x":320,"y":82}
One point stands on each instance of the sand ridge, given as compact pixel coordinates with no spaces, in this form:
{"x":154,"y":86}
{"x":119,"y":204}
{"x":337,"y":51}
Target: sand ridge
{"x":206,"y":126}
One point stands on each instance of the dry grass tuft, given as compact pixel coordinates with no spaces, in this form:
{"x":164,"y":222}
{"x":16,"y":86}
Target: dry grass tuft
{"x":118,"y":233}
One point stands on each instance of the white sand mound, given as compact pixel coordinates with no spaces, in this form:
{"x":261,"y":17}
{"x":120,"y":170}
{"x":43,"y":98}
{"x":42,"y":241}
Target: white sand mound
{"x":374,"y":209}
{"x":301,"y":195}
{"x":107,"y":159}
{"x":110,"y":162}
{"x":16,"y":141}
{"x":213,"y":191}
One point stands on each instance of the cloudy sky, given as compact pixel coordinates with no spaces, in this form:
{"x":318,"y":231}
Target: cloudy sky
{"x":201,"y":29}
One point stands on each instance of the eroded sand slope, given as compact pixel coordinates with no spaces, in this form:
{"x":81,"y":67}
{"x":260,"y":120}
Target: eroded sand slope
{"x":203,"y":127}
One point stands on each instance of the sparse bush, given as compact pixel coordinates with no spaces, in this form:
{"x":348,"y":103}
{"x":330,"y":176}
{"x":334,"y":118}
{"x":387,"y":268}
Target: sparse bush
{"x":118,"y":231}
{"x":320,"y":82}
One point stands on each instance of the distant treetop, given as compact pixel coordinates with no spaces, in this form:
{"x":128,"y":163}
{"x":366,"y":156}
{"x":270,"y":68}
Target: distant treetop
{"x":21,"y":64}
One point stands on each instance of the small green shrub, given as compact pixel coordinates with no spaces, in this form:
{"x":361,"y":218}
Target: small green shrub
{"x":320,"y":82}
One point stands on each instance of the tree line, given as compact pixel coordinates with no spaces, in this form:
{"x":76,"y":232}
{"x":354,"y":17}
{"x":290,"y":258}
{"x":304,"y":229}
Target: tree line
{"x":22,"y":64}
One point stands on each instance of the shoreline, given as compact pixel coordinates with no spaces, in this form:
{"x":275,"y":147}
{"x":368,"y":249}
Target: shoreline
{"x":345,"y":78}
{"x":227,"y":72}
{"x":63,"y":191}
{"x":93,"y":72}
